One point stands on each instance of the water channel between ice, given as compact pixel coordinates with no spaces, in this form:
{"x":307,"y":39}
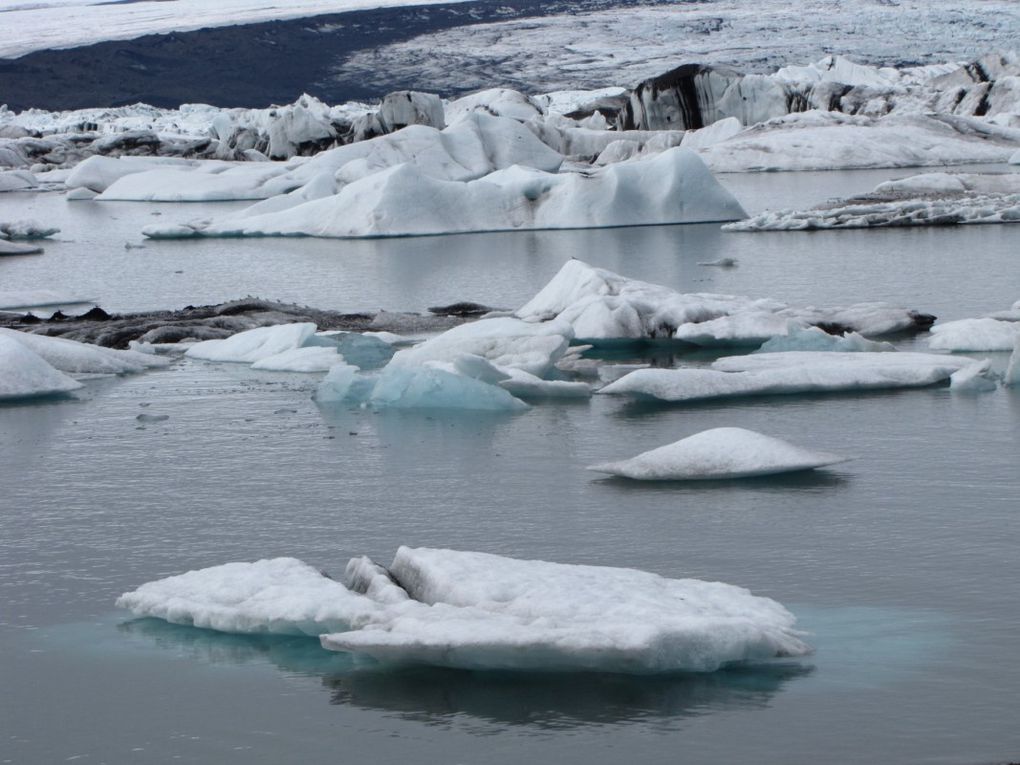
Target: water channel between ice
{"x":900,"y":565}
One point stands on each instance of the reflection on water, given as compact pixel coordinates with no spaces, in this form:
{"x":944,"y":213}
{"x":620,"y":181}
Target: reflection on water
{"x":433,"y":695}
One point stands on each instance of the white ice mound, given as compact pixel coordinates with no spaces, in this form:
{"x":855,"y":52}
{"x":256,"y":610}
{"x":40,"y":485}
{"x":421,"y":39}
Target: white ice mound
{"x":491,"y":612}
{"x":921,"y":200}
{"x":17,"y":248}
{"x":279,"y":596}
{"x":716,"y":454}
{"x":601,"y":305}
{"x":792,"y":372}
{"x":672,"y":187}
{"x":24,"y":374}
{"x":974,"y":335}
{"x":84,"y":358}
{"x":254,"y":345}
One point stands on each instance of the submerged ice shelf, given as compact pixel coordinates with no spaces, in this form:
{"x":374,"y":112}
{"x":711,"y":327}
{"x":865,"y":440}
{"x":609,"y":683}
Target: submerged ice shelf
{"x":480,"y":611}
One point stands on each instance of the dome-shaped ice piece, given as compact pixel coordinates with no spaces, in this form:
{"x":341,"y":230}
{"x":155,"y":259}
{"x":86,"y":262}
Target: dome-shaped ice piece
{"x":719,"y":453}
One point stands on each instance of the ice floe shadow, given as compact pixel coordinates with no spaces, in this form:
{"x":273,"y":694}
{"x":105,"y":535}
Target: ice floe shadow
{"x":434,"y":696}
{"x":802,"y":480}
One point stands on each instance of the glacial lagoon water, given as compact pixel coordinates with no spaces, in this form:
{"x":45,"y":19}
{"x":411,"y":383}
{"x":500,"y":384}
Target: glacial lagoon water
{"x":900,"y":564}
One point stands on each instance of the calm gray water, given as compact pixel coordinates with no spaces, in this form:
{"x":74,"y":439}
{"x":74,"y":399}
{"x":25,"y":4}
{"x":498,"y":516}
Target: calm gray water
{"x":902,"y":564}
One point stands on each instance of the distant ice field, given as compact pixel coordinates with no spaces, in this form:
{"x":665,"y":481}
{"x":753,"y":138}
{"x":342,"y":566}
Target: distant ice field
{"x":28,"y":27}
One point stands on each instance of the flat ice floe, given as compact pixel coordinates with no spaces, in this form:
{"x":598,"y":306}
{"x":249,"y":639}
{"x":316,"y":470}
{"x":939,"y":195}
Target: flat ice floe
{"x":601,"y":305}
{"x":25,"y":374}
{"x":671,"y":187}
{"x":792,"y":372}
{"x":481,"y":611}
{"x":718,"y":454}
{"x":254,"y":345}
{"x":929,"y":199}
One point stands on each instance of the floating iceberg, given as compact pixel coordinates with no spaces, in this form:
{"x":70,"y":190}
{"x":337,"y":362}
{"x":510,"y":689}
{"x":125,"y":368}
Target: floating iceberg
{"x":481,"y":611}
{"x":790,"y":372}
{"x":24,"y":374}
{"x":672,"y":187}
{"x":600,"y":305}
{"x":1012,"y":376}
{"x":930,"y":199}
{"x":716,"y":454}
{"x":974,"y":378}
{"x":974,"y":335}
{"x":430,"y":386}
{"x":84,"y":358}
{"x":254,"y":344}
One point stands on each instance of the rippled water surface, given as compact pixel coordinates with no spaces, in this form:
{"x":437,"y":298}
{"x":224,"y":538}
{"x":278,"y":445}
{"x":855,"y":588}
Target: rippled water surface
{"x":901,"y":564}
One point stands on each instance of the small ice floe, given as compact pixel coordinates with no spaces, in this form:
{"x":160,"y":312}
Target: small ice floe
{"x":486,"y":612}
{"x":815,"y":339}
{"x":25,"y":374}
{"x":718,"y":454}
{"x":790,"y":372}
{"x":720,"y":263}
{"x":985,"y":334}
{"x":973,"y":378}
{"x":84,"y":358}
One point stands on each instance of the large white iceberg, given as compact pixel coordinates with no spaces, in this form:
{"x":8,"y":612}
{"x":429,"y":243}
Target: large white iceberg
{"x":719,"y":453}
{"x":672,"y":187}
{"x":790,"y":372}
{"x":24,"y":374}
{"x":481,"y":611}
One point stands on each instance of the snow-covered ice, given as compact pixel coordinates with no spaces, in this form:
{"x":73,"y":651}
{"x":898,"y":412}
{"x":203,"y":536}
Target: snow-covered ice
{"x":490,"y":612}
{"x":277,"y":596}
{"x":254,"y":344}
{"x":792,"y":372}
{"x":84,"y":358}
{"x":21,"y":299}
{"x":601,"y":305}
{"x":308,"y":359}
{"x":974,"y":335}
{"x":482,"y":611}
{"x":25,"y":374}
{"x":718,"y":454}
{"x":815,"y":339}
